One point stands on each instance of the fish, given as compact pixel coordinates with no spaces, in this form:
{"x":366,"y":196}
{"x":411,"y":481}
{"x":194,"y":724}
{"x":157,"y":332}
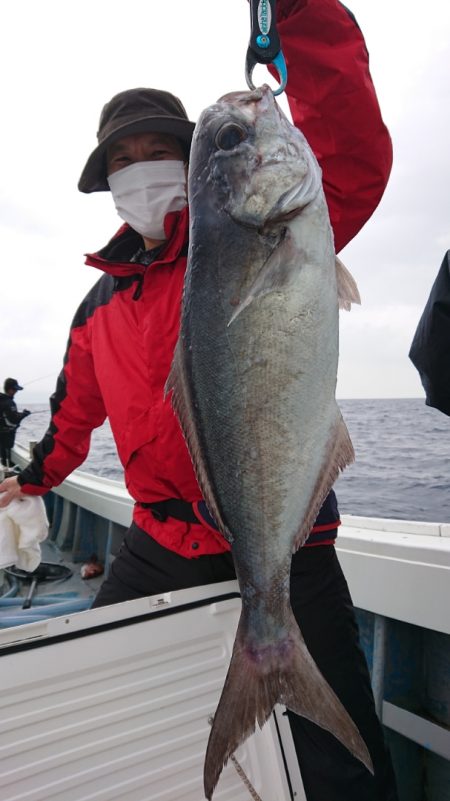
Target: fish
{"x":253,"y":383}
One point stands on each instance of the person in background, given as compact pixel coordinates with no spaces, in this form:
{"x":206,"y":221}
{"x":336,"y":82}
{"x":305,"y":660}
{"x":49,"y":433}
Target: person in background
{"x":121,"y":346}
{"x":430,"y":348}
{"x":10,"y":419}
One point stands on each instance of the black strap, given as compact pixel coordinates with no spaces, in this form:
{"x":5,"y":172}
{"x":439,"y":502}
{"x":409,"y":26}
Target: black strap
{"x":183,"y":510}
{"x":180,"y":510}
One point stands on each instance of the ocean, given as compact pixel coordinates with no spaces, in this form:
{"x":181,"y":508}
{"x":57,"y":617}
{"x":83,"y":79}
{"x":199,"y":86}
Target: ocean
{"x":402,"y":467}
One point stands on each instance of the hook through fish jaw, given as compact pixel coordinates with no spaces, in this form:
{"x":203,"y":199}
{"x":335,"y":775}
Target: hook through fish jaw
{"x":278,"y":62}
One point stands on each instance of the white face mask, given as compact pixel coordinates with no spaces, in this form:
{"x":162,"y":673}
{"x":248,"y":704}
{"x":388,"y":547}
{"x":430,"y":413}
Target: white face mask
{"x":144,"y":192}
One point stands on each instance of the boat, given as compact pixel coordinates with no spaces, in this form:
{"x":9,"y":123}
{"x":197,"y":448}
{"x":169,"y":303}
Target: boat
{"x":114,"y":703}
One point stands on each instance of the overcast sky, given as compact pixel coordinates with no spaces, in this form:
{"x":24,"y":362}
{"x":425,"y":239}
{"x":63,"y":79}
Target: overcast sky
{"x":61,"y":62}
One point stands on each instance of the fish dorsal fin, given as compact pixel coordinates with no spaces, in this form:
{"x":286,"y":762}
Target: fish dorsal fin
{"x":274,"y":274}
{"x":340,"y":454}
{"x":348,"y":292}
{"x":182,"y":406}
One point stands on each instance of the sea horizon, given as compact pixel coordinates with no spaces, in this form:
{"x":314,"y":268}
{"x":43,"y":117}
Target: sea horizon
{"x":401,"y":468}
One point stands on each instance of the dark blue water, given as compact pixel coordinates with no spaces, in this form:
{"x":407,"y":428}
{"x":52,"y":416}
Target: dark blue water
{"x":402,"y":467}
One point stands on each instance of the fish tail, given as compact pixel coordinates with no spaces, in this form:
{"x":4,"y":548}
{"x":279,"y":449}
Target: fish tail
{"x":258,"y":679}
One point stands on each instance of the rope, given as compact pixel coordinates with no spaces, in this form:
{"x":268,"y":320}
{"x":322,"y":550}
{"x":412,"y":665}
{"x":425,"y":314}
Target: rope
{"x":245,"y":779}
{"x":241,"y":773}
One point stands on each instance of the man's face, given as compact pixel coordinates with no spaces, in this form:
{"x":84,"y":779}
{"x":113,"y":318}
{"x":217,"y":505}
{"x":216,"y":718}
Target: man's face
{"x":143,"y":147}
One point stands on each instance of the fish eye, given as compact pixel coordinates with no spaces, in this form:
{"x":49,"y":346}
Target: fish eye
{"x":230,"y":135}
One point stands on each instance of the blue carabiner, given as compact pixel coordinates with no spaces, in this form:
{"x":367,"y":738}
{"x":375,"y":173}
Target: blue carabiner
{"x":264,"y":46}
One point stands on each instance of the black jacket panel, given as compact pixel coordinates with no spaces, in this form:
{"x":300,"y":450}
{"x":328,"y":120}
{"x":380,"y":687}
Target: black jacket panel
{"x":430,"y":349}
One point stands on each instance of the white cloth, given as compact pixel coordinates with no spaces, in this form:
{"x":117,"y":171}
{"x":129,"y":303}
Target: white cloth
{"x":23,"y":525}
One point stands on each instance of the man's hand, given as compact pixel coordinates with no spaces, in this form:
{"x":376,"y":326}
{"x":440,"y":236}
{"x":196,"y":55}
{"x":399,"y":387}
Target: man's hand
{"x":26,"y":412}
{"x":9,"y":490}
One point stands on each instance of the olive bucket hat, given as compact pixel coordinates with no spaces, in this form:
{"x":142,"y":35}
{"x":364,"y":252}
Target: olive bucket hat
{"x":131,"y":112}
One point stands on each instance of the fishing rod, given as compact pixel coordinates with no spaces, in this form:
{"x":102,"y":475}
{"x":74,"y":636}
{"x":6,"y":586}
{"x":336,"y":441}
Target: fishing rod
{"x":264,"y":46}
{"x":41,"y":377}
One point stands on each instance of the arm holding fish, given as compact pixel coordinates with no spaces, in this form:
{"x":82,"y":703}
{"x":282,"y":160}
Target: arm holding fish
{"x":77,"y":408}
{"x":333,"y":101}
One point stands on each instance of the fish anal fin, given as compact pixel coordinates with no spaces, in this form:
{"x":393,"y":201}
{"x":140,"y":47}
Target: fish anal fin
{"x":275,"y":273}
{"x":287,"y":674}
{"x":339,"y":455}
{"x":347,"y":289}
{"x":182,"y":406}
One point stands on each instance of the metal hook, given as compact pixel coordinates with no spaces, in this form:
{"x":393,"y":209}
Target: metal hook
{"x":278,"y":62}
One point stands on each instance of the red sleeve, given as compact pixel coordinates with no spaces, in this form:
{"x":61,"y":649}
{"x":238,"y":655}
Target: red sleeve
{"x":77,"y":408}
{"x":333,"y":101}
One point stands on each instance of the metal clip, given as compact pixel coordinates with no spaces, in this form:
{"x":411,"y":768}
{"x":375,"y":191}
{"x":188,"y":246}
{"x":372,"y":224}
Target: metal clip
{"x":278,"y":62}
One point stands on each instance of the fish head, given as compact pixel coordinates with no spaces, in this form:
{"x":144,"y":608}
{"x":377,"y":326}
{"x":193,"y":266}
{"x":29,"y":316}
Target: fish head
{"x":254,"y":164}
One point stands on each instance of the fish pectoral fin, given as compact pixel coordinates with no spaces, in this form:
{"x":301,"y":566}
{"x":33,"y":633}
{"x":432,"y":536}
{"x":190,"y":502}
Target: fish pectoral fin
{"x":274,"y":275}
{"x":338,"y":455}
{"x":347,"y":289}
{"x":285,"y":673}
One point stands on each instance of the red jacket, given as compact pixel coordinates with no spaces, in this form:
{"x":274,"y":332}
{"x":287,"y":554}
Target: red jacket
{"x":124,"y":333}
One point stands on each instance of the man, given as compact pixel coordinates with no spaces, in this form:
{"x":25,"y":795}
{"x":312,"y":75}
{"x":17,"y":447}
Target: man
{"x":121,"y":346}
{"x":10,"y":419}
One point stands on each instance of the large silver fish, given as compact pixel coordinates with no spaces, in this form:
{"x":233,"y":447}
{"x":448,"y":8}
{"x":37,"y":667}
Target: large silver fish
{"x":254,"y":378}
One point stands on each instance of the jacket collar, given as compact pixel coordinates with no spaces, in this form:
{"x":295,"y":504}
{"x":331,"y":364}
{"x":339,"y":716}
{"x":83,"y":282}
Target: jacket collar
{"x":115,"y":257}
